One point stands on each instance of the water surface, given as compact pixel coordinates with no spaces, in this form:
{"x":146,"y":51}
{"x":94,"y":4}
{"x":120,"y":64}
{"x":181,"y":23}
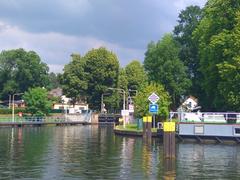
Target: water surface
{"x":92,"y":152}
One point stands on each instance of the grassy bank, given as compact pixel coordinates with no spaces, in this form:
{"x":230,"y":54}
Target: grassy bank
{"x":132,"y":127}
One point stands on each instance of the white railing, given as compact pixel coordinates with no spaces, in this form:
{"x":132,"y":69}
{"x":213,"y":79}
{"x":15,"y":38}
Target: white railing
{"x":216,"y":117}
{"x":82,"y":117}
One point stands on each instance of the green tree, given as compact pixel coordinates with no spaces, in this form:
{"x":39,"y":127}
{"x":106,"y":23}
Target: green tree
{"x":183,"y":32}
{"x":102,"y":70}
{"x":74,"y":79}
{"x":218,"y":38}
{"x":37,"y":101}
{"x":54,"y":81}
{"x":164,"y":67}
{"x":136,"y":75}
{"x":142,"y":102}
{"x":122,"y":79}
{"x":20,"y":70}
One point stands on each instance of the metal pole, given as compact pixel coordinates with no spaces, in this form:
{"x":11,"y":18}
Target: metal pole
{"x":154,"y":121}
{"x":9,"y":101}
{"x":124,"y":99}
{"x":102,"y":103}
{"x":13,"y":104}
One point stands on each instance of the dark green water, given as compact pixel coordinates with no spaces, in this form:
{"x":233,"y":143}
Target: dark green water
{"x":92,"y":152}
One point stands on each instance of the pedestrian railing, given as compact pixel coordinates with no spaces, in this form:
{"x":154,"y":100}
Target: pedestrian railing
{"x":208,"y":117}
{"x":82,"y":117}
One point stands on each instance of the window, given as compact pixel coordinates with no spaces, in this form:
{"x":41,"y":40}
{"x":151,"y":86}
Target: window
{"x":237,"y":130}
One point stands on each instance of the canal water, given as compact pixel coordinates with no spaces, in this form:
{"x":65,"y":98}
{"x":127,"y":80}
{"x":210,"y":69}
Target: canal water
{"x":92,"y":152}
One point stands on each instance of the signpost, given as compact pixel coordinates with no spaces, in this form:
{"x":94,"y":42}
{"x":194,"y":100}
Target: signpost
{"x":153,"y":98}
{"x":131,"y":108}
{"x":153,"y":108}
{"x":124,"y":113}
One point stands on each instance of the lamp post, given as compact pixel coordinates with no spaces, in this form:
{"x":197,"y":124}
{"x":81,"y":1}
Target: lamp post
{"x":124,"y":105}
{"x":14,"y":104}
{"x":9,"y":101}
{"x":131,"y":90}
{"x":124,"y":95}
{"x":102,"y":101}
{"x":130,"y":103}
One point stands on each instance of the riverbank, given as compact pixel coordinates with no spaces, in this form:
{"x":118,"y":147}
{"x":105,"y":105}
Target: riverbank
{"x":132,"y":130}
{"x":39,"y":123}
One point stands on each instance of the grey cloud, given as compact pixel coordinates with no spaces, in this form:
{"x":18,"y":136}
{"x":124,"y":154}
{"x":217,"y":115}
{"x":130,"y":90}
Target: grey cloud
{"x":127,"y":22}
{"x":56,"y":28}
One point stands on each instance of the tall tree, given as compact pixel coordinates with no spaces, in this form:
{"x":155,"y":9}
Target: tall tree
{"x":74,"y":79}
{"x":218,"y":38}
{"x":164,"y":67}
{"x":102,"y":70}
{"x":183,"y":32}
{"x":136,"y":76}
{"x":37,"y":101}
{"x":20,"y":70}
{"x":54,"y":80}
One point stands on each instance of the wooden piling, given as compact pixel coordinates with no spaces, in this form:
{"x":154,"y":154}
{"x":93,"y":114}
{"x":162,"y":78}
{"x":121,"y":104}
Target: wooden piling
{"x":169,"y":166}
{"x":169,"y":139}
{"x":147,"y":127}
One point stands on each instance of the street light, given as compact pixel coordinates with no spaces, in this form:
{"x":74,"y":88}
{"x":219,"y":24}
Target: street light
{"x":9,"y":101}
{"x":124,"y":106}
{"x":131,"y":90}
{"x":102,"y":101}
{"x":124,"y":94}
{"x":14,"y":104}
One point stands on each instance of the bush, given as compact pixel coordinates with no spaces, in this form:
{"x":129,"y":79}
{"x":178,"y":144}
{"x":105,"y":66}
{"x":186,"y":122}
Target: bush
{"x":9,"y":111}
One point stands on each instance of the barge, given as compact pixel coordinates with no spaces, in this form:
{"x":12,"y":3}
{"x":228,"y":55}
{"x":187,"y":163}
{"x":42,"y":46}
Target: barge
{"x":205,"y":132}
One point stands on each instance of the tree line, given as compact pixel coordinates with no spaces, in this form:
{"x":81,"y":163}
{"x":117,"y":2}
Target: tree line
{"x":200,"y":58}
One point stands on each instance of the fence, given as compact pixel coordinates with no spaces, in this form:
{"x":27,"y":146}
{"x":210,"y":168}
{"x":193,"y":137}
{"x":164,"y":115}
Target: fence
{"x":83,"y":117}
{"x":208,"y":117}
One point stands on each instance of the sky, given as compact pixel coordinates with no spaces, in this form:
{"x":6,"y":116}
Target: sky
{"x":57,"y":28}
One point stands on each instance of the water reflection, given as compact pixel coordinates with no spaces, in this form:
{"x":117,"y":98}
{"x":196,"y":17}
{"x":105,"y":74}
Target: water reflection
{"x":169,"y":165}
{"x":92,"y":152}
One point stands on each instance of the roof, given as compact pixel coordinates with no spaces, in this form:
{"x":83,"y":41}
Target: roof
{"x":58,"y":92}
{"x":192,"y":97}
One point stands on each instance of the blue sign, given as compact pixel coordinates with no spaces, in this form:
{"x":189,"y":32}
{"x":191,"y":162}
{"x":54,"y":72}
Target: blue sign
{"x":153,"y":108}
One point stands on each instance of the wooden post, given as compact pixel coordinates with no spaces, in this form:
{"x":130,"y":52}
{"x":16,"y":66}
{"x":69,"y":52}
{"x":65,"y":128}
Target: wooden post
{"x":169,"y":166}
{"x":147,"y":127}
{"x":169,"y":139}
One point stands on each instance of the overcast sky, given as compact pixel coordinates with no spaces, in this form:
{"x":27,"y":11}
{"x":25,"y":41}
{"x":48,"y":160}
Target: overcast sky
{"x":57,"y":28}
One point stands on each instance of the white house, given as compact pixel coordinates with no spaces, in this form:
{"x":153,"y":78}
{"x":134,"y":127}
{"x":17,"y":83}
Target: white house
{"x":190,"y":103}
{"x":66,"y":102}
{"x":77,"y":108}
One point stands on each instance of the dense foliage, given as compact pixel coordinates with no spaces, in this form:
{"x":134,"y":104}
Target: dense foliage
{"x":136,"y":76}
{"x":164,"y":67}
{"x":37,"y":101}
{"x":20,"y":70}
{"x":74,"y":80}
{"x":218,"y":44}
{"x":183,"y":33}
{"x":90,"y":76}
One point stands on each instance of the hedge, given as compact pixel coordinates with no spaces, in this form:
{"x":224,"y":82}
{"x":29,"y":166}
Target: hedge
{"x":9,"y":111}
{"x":23,"y":110}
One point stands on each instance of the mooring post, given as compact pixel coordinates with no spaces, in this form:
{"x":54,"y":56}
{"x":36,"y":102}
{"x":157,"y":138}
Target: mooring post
{"x":144,"y":127}
{"x":147,"y":127}
{"x":169,"y":139}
